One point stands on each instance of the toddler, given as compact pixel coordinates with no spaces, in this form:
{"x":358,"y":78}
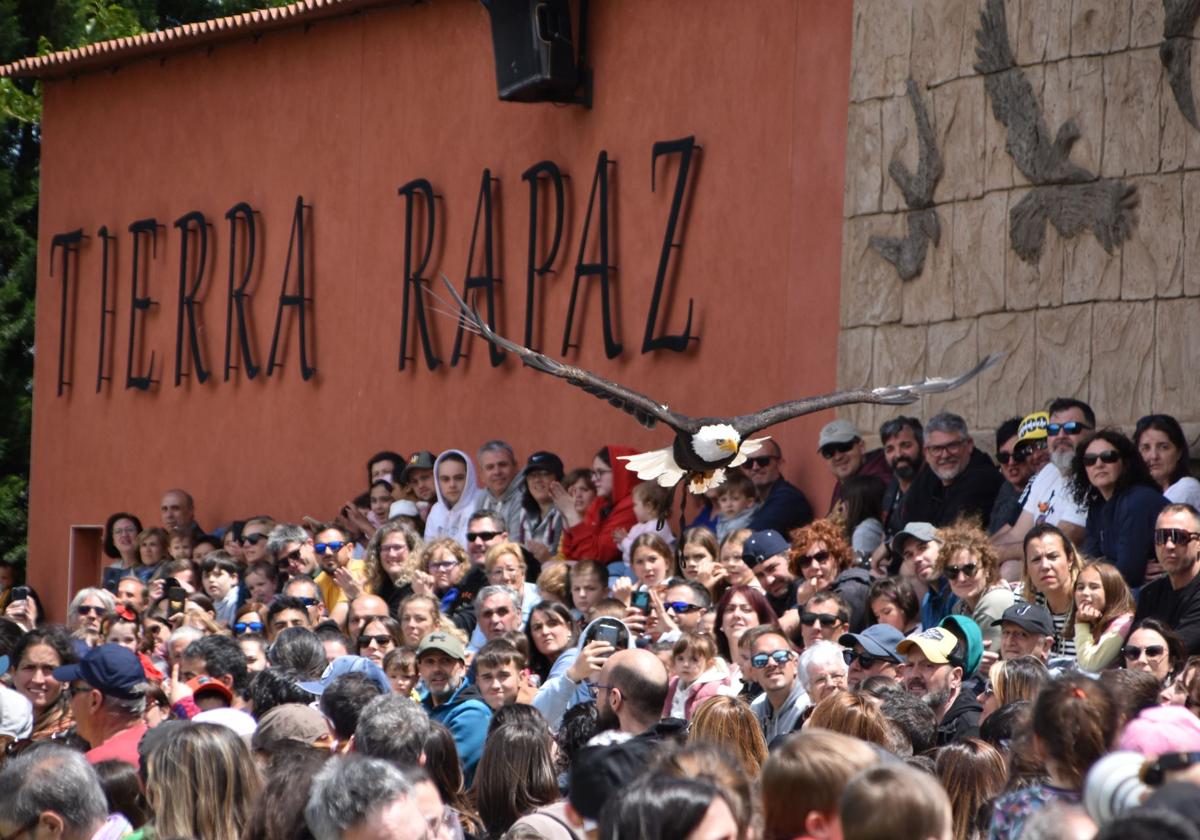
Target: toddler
{"x":737,"y":503}
{"x":651,"y":504}
{"x":698,"y":675}
{"x":181,"y":545}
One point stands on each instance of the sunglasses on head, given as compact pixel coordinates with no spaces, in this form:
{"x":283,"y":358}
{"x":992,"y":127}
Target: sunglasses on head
{"x":830,"y":449}
{"x":1135,"y":652}
{"x":248,"y":627}
{"x":331,"y":547}
{"x":682,"y":607}
{"x":1019,"y":457}
{"x":760,"y":660}
{"x":253,"y":539}
{"x":809,"y":619}
{"x":1162,"y":536}
{"x":1108,"y":456}
{"x":486,"y":536}
{"x":380,"y":639}
{"x":865,"y":660}
{"x":806,"y":560}
{"x":760,"y":461}
{"x":968,"y":569}
{"x":1071,"y":427}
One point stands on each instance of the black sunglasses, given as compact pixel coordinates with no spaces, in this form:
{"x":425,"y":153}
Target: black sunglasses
{"x":1135,"y":652}
{"x":253,"y":539}
{"x":968,"y":569}
{"x":806,"y":560}
{"x":486,"y":536}
{"x":1162,"y":536}
{"x":809,"y":619}
{"x":865,"y":660}
{"x":292,"y":555}
{"x":1016,"y":457}
{"x":380,"y":639}
{"x":1108,"y":456}
{"x":831,"y":449}
{"x":759,"y":461}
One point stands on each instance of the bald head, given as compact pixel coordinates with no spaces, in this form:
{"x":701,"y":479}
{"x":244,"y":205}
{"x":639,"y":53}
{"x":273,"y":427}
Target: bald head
{"x":363,"y":609}
{"x":640,"y":680}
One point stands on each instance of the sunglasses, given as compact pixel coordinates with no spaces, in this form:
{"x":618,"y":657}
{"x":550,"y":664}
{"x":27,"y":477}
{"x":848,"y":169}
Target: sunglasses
{"x":760,"y":660}
{"x":291,"y":556}
{"x":809,"y":619}
{"x":968,"y":569}
{"x":253,"y":539}
{"x":364,"y":640}
{"x":248,"y":627}
{"x":806,"y":560}
{"x":760,"y":461}
{"x":1072,"y":427}
{"x":682,"y":607}
{"x":1108,"y":456}
{"x":1162,"y":536}
{"x":865,"y":660}
{"x":486,"y":536}
{"x":83,"y":609}
{"x":830,"y":449}
{"x":330,"y":547}
{"x":1135,"y":652}
{"x":308,"y":602}
{"x":1015,"y":457}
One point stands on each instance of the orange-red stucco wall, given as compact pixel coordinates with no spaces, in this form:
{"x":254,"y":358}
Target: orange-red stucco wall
{"x":343,"y":114}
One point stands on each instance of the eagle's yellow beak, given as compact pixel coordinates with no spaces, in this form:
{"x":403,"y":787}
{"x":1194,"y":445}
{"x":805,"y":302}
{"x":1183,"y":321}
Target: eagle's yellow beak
{"x":729,"y":446}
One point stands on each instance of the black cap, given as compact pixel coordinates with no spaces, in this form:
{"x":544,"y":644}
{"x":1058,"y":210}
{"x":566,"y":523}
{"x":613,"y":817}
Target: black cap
{"x":1032,"y":617}
{"x":422,"y":460}
{"x":545,"y":462}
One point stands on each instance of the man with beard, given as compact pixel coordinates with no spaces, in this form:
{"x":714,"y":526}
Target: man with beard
{"x":631,"y":691}
{"x":767,"y":553}
{"x":775,"y":667}
{"x":918,"y":544}
{"x":960,"y":481}
{"x":934,"y":672}
{"x":903,"y":441}
{"x":1048,"y":498}
{"x":451,"y":700}
{"x":1017,"y":466}
{"x":846,"y":454}
{"x":782,"y":506}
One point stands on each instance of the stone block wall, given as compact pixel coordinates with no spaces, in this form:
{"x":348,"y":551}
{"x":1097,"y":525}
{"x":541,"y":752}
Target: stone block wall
{"x":1120,"y":330}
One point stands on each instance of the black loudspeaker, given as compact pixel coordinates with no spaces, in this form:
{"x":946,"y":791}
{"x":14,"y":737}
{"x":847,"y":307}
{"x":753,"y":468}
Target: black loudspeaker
{"x":535,"y":55}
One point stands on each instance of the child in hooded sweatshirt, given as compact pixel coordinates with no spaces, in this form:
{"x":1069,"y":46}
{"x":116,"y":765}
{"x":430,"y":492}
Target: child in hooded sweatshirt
{"x":651,"y":505}
{"x":698,"y":675}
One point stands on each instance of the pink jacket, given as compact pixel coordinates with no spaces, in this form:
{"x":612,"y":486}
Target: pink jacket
{"x":713,"y":682}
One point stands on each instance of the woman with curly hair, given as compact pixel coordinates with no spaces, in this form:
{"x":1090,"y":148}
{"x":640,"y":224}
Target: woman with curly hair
{"x":443,"y":565}
{"x":390,"y":562}
{"x":822,"y":556}
{"x":970,"y":564}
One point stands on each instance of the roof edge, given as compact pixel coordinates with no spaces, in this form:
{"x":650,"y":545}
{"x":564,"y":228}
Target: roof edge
{"x":105,"y":54}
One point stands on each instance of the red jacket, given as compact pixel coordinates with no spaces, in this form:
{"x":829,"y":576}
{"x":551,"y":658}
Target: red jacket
{"x":592,"y":539}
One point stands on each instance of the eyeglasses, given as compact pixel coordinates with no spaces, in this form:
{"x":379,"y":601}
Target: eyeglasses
{"x":253,"y":539}
{"x":1108,"y":456}
{"x":968,"y":569}
{"x":248,"y":627}
{"x":759,"y":461}
{"x":830,"y":449}
{"x":394,"y":548}
{"x":760,"y":660}
{"x":380,"y":639}
{"x":682,"y":607}
{"x":442,"y":565}
{"x":598,"y":687}
{"x":485,"y":536}
{"x":599,"y":473}
{"x":865,"y":660}
{"x":1015,"y":457}
{"x":807,"y":560}
{"x":330,"y":547}
{"x":85,"y":609}
{"x":1134,"y":652}
{"x":76,"y":688}
{"x":1162,"y":536}
{"x":936,"y":449}
{"x":1072,"y":427}
{"x":809,"y":619}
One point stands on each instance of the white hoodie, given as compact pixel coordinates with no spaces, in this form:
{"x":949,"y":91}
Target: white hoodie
{"x":451,"y":522}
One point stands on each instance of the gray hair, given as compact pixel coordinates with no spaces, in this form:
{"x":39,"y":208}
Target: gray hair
{"x":393,"y":728}
{"x":822,"y":653}
{"x":49,"y":777}
{"x":187,"y":631}
{"x":283,"y":534}
{"x":347,"y":790}
{"x":498,"y":589}
{"x":102,"y":595}
{"x":947,"y":423}
{"x":495,"y":446}
{"x":128,"y":707}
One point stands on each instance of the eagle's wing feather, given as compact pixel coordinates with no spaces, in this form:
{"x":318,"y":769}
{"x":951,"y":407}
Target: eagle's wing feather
{"x":748,"y":424}
{"x":645,"y":410}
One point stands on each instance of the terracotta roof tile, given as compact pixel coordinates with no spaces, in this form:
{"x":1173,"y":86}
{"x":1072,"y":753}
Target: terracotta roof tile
{"x":108,"y":53}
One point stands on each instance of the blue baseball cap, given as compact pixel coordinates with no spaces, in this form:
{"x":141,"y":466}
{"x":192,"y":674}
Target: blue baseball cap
{"x":763,"y":545}
{"x":110,"y":669}
{"x":349,"y":665}
{"x":877,"y":640}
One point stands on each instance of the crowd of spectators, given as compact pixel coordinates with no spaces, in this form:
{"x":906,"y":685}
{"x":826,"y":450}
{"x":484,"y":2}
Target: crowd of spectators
{"x":960,"y":647}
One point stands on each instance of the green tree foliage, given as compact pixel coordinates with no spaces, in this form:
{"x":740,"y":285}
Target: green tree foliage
{"x":32,"y":27}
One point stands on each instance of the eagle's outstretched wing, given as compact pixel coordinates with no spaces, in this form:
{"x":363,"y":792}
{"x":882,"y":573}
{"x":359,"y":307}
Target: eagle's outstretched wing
{"x":645,"y":410}
{"x":748,"y":424}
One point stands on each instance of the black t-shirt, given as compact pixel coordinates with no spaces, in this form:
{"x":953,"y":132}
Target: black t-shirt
{"x":1179,"y":609}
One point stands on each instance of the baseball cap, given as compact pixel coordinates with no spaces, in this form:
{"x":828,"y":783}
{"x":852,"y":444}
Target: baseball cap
{"x":207,"y":685}
{"x":936,"y":643}
{"x":444,"y":642}
{"x":403,"y":508}
{"x":16,"y":714}
{"x":241,"y":723}
{"x":877,"y":640}
{"x":422,"y":460}
{"x":1032,"y":617}
{"x":762,"y":545}
{"x":545,"y":462}
{"x":109,"y":668}
{"x":839,"y":431}
{"x":349,"y":664}
{"x":920,"y":531}
{"x":289,"y":723}
{"x":1033,"y":427}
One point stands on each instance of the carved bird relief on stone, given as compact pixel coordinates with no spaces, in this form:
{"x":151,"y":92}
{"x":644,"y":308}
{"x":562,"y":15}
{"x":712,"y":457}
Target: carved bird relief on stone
{"x":908,"y":254}
{"x":1176,"y":53}
{"x":1065,"y":194}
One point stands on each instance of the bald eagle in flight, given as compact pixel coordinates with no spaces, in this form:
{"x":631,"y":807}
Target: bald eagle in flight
{"x":704,"y":446}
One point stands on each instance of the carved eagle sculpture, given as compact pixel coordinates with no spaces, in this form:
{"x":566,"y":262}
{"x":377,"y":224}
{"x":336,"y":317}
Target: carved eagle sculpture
{"x":704,"y":446}
{"x":1175,"y":52}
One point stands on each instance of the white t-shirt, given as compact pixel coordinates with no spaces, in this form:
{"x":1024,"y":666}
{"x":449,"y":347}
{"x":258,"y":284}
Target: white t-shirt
{"x":1185,"y":491}
{"x":1048,"y":498}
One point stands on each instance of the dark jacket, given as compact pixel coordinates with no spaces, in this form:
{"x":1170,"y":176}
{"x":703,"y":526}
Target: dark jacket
{"x":853,"y":584}
{"x":874,"y":465}
{"x":961,"y":720}
{"x":972,"y":493}
{"x":1179,"y":609}
{"x":458,"y":604}
{"x":1121,"y":530}
{"x":467,"y":717}
{"x":784,"y":509}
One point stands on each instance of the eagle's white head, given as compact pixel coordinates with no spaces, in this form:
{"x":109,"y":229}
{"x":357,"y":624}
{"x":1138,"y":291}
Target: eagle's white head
{"x":716,"y":443}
